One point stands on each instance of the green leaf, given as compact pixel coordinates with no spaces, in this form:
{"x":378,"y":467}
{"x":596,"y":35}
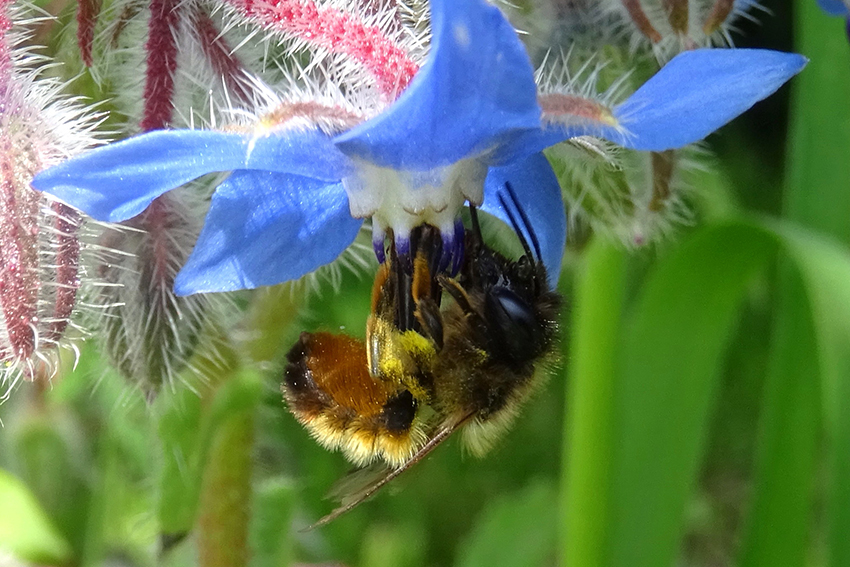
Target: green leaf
{"x":518,"y":530}
{"x":780,"y":517}
{"x":271,"y":523}
{"x":187,"y":427}
{"x":669,"y":362}
{"x":824,"y":269}
{"x":25,"y":531}
{"x":819,"y":130}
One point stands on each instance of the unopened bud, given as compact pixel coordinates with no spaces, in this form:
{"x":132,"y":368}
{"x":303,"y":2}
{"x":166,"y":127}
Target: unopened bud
{"x":148,"y":332}
{"x":671,"y":26}
{"x":39,"y":243}
{"x":638,"y":198}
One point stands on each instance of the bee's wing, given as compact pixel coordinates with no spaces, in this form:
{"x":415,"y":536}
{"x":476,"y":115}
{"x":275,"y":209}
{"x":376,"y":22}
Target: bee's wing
{"x":362,"y":484}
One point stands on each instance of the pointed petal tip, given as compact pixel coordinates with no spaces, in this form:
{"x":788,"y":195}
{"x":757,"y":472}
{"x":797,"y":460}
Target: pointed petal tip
{"x":699,"y":91}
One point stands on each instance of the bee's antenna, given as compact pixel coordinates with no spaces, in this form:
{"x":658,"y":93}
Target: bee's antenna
{"x":515,"y":225}
{"x":525,"y":221}
{"x":476,"y":227}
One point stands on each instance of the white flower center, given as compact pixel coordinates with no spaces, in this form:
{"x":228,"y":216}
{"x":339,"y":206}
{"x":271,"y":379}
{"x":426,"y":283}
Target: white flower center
{"x":403,"y":199}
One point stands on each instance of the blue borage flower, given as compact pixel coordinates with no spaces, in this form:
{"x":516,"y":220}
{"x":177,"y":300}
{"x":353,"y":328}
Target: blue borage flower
{"x":839,"y":8}
{"x":835,"y":7}
{"x":468,"y":122}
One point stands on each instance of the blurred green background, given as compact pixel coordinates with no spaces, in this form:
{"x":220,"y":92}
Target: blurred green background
{"x":698,"y":417}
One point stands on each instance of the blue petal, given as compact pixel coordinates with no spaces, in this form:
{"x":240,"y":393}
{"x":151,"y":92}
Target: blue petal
{"x":264,"y":228}
{"x":475,"y":90}
{"x":689,"y":98}
{"x":834,"y":7}
{"x":698,"y":92}
{"x":119,"y":181}
{"x":539,"y":194}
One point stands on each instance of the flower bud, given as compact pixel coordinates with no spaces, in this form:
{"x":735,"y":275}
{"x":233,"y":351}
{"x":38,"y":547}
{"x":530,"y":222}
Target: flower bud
{"x":148,"y":332}
{"x":39,"y":244}
{"x":671,"y":26}
{"x":639,"y":198}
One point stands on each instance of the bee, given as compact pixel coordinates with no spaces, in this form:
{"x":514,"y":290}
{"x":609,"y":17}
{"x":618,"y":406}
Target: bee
{"x":472,"y":362}
{"x":500,"y":331}
{"x":364,"y":399}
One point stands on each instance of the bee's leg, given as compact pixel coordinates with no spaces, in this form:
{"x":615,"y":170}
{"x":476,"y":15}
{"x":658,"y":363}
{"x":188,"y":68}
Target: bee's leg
{"x":476,"y":320}
{"x":457,"y":292}
{"x":420,"y":286}
{"x":429,"y":317}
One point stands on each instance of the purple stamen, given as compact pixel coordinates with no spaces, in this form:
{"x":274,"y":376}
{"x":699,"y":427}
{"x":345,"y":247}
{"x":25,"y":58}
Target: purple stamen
{"x":402,"y":248}
{"x":378,"y":245}
{"x":447,"y":252}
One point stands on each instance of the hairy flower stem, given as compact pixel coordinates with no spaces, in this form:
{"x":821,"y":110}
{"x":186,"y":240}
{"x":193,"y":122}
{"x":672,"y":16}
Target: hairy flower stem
{"x":159,"y":91}
{"x":87,"y":13}
{"x":161,"y":48}
{"x":226,"y":494}
{"x":18,"y":256}
{"x":641,"y":21}
{"x":220,"y":56}
{"x":67,"y":266}
{"x":337,"y":32}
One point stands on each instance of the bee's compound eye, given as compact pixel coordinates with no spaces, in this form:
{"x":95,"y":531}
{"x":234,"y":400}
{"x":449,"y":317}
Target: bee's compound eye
{"x":399,"y":411}
{"x":513,"y":322}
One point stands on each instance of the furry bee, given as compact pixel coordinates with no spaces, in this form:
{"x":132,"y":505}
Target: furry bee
{"x":471,"y":362}
{"x":364,"y":399}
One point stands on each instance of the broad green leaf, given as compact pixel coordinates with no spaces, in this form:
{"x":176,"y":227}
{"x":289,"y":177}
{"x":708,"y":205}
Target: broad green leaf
{"x":811,"y":357}
{"x":599,"y":297}
{"x":669,"y":358}
{"x":669,"y":362}
{"x":50,"y":454}
{"x":179,"y":432}
{"x":780,"y":517}
{"x":515,"y":530}
{"x":25,"y":530}
{"x":824,"y":267}
{"x":393,"y":545}
{"x":817,"y":194}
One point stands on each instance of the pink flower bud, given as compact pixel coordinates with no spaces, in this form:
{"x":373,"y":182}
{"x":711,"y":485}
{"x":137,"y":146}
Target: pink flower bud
{"x":39,"y":245}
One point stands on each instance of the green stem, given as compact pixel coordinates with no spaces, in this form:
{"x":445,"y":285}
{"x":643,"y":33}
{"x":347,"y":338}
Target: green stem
{"x":599,"y":299}
{"x":226,"y":494}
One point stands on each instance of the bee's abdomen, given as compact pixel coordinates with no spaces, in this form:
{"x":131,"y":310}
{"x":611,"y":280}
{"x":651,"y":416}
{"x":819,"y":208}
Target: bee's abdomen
{"x":328,"y":388}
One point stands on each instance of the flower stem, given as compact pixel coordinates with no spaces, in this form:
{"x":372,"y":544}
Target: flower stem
{"x":161,"y":48}
{"x":220,"y":56}
{"x":87,"y":13}
{"x":226,"y":494}
{"x":338,"y":32}
{"x":588,"y":429}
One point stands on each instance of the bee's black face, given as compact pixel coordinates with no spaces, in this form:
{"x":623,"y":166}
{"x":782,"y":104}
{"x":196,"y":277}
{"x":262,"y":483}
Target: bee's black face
{"x":514,"y":326}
